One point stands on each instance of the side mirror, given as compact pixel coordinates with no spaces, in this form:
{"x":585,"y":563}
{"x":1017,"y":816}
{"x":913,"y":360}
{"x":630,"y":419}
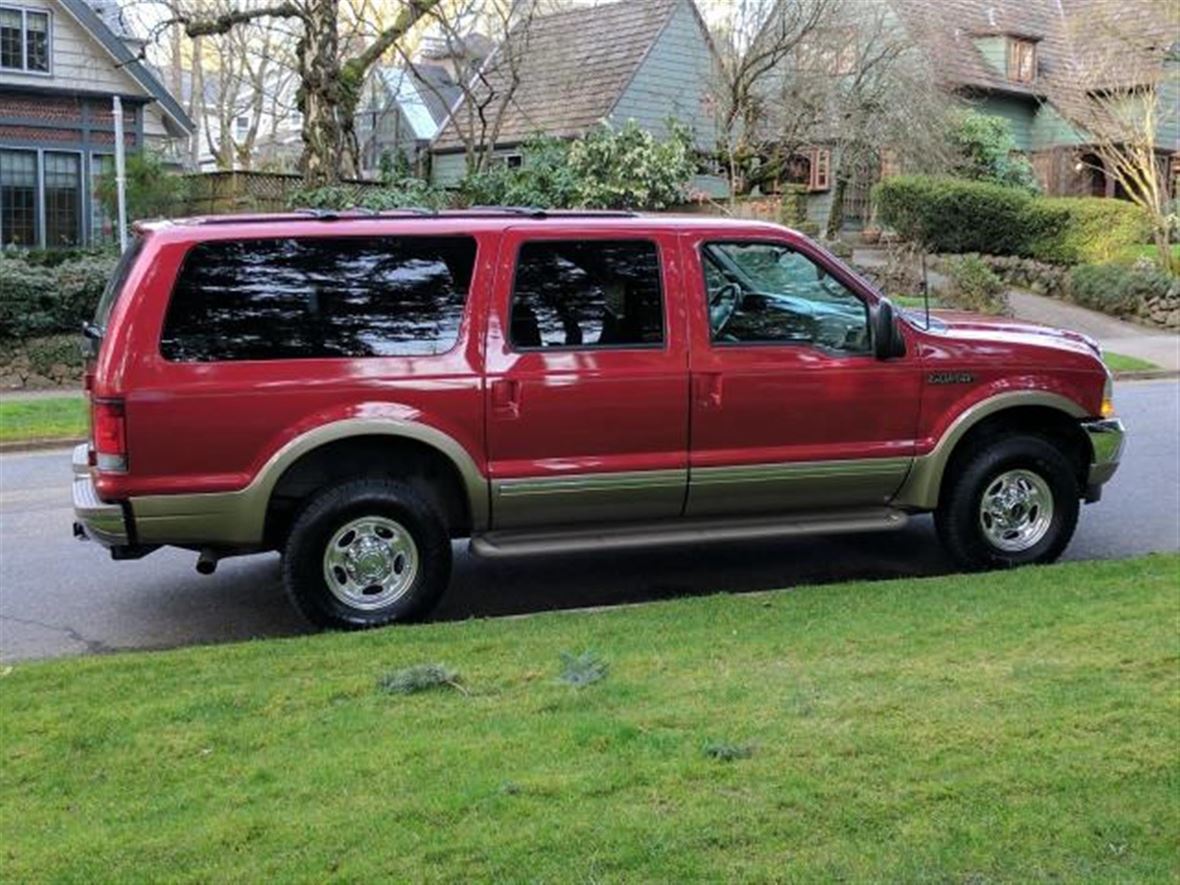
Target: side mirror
{"x":888,"y":342}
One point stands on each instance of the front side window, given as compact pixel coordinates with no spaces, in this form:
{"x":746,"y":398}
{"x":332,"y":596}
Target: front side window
{"x":767,"y":293}
{"x":63,"y":199}
{"x":1022,"y":60}
{"x":306,"y":298}
{"x":24,"y":39}
{"x":18,"y":198}
{"x":587,"y":294}
{"x":102,"y":224}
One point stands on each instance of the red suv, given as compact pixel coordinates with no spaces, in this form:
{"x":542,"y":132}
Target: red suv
{"x":355,"y":391}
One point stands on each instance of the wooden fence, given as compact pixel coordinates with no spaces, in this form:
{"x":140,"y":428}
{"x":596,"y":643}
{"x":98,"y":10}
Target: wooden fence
{"x":220,"y":193}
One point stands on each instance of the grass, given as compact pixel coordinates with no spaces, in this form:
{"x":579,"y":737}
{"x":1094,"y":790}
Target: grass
{"x":1011,"y":727}
{"x":35,"y":419}
{"x":1131,"y":254}
{"x":1118,"y":362}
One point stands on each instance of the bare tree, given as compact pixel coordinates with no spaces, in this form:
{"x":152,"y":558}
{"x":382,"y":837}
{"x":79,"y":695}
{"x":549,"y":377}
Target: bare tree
{"x":1119,"y":86}
{"x":766,"y":107}
{"x":487,"y":87}
{"x":331,"y":59}
{"x":885,"y":98}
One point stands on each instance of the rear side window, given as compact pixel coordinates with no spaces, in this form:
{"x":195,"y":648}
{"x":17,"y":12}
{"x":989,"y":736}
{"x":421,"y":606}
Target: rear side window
{"x":114,"y":287}
{"x":309,"y":298}
{"x":587,"y":294}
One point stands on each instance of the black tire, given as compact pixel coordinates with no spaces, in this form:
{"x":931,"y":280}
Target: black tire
{"x":958,"y":518}
{"x":330,"y":512}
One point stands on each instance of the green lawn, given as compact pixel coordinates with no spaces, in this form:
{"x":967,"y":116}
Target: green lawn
{"x":1117,"y":362}
{"x":29,"y":419}
{"x":1008,"y":727}
{"x":1131,"y":254}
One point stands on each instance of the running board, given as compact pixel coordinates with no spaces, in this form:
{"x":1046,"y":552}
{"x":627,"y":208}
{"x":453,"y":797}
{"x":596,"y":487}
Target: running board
{"x":686,"y":531}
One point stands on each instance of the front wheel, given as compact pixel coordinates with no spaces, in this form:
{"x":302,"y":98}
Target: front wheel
{"x":365,"y":554}
{"x":1013,"y":502}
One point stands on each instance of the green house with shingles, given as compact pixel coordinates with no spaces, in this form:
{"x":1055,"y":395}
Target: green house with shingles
{"x":647,"y":61}
{"x":1039,"y":63}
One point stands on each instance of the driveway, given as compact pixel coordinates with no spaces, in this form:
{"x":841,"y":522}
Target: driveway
{"x":62,"y":597}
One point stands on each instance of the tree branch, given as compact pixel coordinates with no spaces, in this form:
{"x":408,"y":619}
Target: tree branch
{"x":224,"y":23}
{"x":411,"y":13}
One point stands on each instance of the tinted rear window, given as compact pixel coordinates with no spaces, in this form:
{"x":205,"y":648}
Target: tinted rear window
{"x":319,"y":298}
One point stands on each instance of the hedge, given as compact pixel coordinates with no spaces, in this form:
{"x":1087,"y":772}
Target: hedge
{"x":959,"y":216}
{"x":38,"y":299}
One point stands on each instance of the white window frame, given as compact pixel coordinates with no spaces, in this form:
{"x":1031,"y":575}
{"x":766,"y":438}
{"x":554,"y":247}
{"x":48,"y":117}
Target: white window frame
{"x":24,"y":40}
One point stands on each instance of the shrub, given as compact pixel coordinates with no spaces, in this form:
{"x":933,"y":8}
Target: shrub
{"x":957,"y":216}
{"x":1085,"y":230}
{"x":628,"y":168}
{"x":406,"y":193}
{"x":974,"y":287}
{"x":987,"y":152}
{"x":152,"y":191}
{"x":1116,"y":289}
{"x":36,"y":299}
{"x":953,"y":215}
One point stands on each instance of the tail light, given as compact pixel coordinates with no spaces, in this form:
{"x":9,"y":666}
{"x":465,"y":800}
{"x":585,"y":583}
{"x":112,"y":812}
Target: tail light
{"x":110,"y":435}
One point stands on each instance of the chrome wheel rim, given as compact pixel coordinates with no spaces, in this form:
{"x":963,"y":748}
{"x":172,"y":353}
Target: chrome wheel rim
{"x":1016,"y":511}
{"x":370,"y":563}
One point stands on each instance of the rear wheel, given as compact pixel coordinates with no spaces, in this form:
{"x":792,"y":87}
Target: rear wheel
{"x":1013,"y":501}
{"x":365,"y":554}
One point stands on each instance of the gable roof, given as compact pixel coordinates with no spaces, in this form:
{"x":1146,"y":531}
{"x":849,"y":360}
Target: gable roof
{"x":1068,"y":33}
{"x":175,"y":118}
{"x":573,"y":66}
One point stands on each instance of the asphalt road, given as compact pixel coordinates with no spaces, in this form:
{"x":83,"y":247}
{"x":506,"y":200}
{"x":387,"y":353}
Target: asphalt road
{"x":60,"y":597}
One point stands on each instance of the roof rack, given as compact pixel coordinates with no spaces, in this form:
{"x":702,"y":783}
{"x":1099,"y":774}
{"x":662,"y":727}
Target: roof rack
{"x":526,"y":212}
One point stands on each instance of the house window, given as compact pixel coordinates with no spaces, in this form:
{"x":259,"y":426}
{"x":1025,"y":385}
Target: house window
{"x":821,"y":169}
{"x":18,"y":198}
{"x":63,"y":199}
{"x":241,"y":128}
{"x":102,"y":225}
{"x":1022,"y":60}
{"x":24,"y":40}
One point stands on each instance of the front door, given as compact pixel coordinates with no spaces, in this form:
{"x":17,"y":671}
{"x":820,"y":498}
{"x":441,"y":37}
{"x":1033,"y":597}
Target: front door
{"x":791,"y":411}
{"x":587,"y":379}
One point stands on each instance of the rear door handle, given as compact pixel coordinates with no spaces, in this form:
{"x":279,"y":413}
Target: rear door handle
{"x":506,"y":398}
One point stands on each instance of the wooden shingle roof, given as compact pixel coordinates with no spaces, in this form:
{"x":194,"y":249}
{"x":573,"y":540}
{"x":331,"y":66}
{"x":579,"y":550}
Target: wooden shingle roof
{"x":571,"y":68}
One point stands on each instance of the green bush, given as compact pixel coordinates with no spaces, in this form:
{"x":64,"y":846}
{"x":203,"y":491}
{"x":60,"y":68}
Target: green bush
{"x":957,"y":216}
{"x":627,"y":168}
{"x":153,"y":190}
{"x":406,"y":193}
{"x":36,"y":299}
{"x":1116,"y":289}
{"x":1085,"y":230}
{"x":974,"y":287}
{"x":987,"y":151}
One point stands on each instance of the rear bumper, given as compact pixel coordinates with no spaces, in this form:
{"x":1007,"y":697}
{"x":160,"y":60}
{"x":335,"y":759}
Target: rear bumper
{"x":1107,"y":438}
{"x":94,"y":518}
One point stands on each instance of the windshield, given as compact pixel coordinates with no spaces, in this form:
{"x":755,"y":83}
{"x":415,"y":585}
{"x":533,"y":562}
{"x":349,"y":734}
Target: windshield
{"x":115,"y":284}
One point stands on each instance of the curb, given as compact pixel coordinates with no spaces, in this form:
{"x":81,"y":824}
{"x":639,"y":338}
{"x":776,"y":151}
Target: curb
{"x":1147,"y":375}
{"x":37,"y":445}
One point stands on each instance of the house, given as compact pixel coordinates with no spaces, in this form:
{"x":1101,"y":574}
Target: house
{"x":1037,"y":63}
{"x":571,"y":71}
{"x":403,"y":110}
{"x":61,"y":63}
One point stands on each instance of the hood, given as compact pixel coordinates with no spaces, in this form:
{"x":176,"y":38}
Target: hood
{"x":973,"y":326}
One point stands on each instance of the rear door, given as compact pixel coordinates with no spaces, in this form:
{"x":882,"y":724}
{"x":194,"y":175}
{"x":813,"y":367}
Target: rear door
{"x":791,"y":411}
{"x":587,"y":378}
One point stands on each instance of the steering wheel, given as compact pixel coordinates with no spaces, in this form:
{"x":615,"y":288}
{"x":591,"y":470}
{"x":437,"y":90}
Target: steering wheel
{"x":723,"y":305}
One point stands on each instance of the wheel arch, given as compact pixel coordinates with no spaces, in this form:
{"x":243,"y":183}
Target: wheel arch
{"x":1032,"y":411}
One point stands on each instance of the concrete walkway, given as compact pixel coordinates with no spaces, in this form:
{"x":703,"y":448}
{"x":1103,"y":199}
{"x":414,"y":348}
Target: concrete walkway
{"x":1116,"y":336}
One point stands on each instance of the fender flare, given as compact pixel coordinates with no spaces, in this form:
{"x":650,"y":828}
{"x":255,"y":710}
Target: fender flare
{"x":922,"y":486}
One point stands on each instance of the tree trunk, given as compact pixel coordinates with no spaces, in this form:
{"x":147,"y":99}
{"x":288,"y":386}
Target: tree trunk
{"x":325,"y":160}
{"x":839,"y":194}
